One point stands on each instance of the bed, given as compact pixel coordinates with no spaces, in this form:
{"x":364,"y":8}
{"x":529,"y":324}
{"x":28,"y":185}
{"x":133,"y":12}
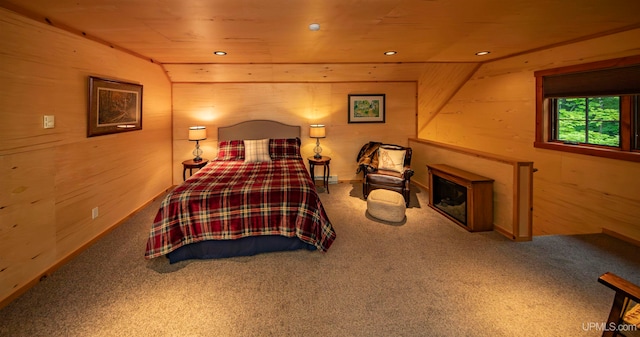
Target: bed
{"x":244,"y":202}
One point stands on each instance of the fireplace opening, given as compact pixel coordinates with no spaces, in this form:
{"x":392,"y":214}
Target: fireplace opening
{"x":450,"y":198}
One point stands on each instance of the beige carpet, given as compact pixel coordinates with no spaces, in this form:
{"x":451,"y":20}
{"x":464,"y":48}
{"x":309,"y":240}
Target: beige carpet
{"x":424,"y":277}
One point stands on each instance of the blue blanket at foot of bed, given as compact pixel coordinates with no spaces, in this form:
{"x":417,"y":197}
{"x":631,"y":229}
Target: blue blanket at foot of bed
{"x":217,"y":249}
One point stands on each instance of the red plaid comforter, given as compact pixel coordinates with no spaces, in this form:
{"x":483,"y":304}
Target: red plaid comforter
{"x":228,"y":200}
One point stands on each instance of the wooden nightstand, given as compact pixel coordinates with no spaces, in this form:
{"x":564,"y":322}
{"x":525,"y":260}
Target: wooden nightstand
{"x":190,"y":164}
{"x":324,"y":161}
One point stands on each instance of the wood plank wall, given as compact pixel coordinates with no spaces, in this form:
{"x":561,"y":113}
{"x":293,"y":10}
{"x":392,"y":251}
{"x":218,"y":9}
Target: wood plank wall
{"x":222,"y":104}
{"x":494,"y":112}
{"x":50,"y":179}
{"x":302,"y":94}
{"x":512,"y":196}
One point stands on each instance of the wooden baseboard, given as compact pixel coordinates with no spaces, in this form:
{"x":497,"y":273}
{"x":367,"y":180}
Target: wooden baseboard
{"x":42,"y":276}
{"x":621,"y":237}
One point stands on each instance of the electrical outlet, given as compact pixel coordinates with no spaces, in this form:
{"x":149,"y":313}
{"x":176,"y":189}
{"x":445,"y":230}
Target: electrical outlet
{"x":94,"y":213}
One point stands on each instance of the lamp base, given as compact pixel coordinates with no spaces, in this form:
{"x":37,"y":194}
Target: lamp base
{"x":317,"y":150}
{"x":197,"y":152}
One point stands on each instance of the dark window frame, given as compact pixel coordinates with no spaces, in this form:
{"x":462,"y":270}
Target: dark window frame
{"x":629,"y":124}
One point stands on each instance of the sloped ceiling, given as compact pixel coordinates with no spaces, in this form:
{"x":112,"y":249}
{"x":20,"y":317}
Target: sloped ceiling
{"x":351,"y":31}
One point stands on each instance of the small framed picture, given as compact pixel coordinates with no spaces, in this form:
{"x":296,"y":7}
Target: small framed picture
{"x":114,"y":107}
{"x":367,"y":108}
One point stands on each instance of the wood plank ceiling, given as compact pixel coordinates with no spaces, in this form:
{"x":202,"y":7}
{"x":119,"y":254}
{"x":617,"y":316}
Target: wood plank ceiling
{"x":183,"y":32}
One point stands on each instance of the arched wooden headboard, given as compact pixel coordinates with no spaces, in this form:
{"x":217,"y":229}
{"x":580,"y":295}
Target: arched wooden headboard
{"x":258,"y":129}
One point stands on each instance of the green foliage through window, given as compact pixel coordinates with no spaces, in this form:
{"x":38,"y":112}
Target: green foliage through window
{"x":588,"y":120}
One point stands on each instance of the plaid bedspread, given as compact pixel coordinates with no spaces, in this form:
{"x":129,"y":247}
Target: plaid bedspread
{"x":228,"y":200}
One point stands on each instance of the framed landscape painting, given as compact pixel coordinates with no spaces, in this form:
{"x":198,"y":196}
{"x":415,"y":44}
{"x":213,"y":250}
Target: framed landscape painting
{"x":367,"y":108}
{"x":114,"y":107}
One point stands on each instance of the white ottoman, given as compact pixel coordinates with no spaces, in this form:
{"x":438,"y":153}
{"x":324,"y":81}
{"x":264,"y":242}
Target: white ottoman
{"x":386,"y":205}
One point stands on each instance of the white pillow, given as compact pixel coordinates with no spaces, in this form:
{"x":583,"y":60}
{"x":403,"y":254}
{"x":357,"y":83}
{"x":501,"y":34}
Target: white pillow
{"x":256,"y":150}
{"x":392,"y":160}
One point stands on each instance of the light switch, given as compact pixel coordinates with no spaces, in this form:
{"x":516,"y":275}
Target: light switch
{"x":49,"y":122}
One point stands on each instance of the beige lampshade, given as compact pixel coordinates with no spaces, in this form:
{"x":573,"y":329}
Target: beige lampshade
{"x":197,"y":133}
{"x":317,"y":131}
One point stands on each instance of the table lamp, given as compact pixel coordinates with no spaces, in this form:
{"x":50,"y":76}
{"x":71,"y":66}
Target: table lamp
{"x":317,"y":131}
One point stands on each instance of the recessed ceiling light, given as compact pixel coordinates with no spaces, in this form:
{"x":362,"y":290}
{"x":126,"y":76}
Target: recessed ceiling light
{"x":390,"y":52}
{"x":314,"y":27}
{"x":480,"y":53}
{"x":220,"y":53}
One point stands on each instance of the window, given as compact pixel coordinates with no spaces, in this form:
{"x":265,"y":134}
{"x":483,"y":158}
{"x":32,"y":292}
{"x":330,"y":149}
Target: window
{"x":590,"y":109}
{"x":587,"y":120}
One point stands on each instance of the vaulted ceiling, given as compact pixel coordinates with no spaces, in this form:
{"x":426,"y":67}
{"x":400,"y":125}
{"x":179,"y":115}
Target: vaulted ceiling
{"x":351,"y":31}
